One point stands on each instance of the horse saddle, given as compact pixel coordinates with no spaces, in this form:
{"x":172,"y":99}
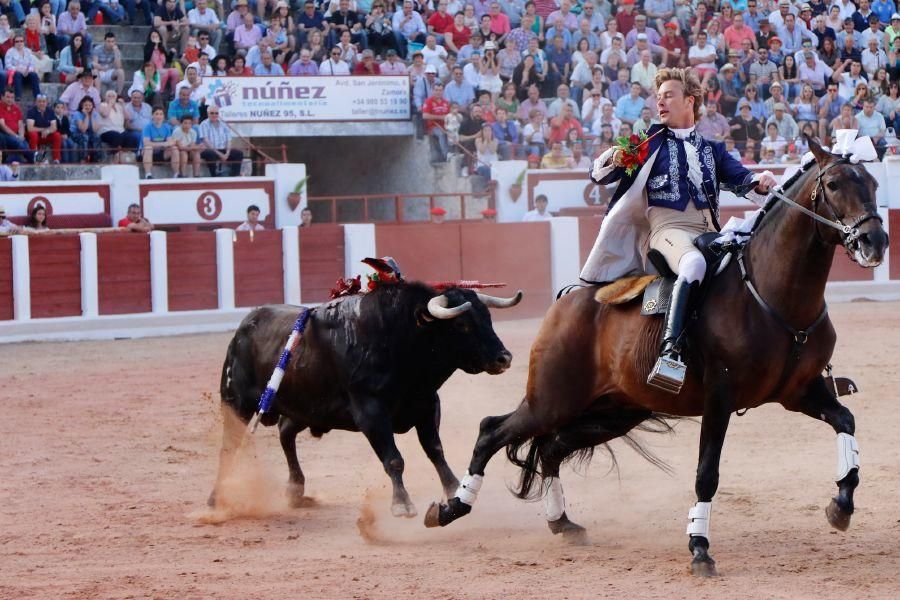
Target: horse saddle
{"x":659,"y":292}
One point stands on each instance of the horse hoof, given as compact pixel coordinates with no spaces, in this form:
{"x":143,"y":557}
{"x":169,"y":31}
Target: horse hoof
{"x":295,"y":495}
{"x":704,"y":568}
{"x":571,"y":532}
{"x":432,"y":515}
{"x":404,"y":510}
{"x":837,"y":516}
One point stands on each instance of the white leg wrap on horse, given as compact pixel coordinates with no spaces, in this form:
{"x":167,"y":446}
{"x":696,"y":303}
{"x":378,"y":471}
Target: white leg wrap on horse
{"x":468,"y":488}
{"x":698,"y":518}
{"x":848,"y":455}
{"x":692,"y":267}
{"x":556,"y":502}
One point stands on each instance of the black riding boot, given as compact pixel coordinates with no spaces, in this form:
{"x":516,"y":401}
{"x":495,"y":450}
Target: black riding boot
{"x":669,"y":371}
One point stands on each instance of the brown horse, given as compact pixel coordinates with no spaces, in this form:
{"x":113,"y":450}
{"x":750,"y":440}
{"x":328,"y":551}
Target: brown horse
{"x":587,"y":380}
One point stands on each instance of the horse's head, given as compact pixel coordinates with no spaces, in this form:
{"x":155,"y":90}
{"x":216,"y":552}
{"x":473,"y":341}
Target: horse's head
{"x":845,"y":193}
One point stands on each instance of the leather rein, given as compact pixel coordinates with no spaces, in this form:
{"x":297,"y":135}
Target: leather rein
{"x":849,"y":238}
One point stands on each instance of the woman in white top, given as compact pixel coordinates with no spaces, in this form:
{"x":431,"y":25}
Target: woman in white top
{"x":773,"y":141}
{"x":486,"y":150}
{"x":111,"y":125}
{"x":490,"y":71}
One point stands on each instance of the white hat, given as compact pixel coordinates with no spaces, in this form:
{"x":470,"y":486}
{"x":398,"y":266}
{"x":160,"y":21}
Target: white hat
{"x":431,"y":69}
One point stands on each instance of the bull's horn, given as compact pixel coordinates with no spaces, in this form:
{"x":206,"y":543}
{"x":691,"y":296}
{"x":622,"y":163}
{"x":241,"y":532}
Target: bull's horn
{"x":437,"y":308}
{"x":495,"y":302}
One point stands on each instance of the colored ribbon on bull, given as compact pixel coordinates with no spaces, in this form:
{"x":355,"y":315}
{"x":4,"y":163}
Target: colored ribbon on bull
{"x":268,"y":395}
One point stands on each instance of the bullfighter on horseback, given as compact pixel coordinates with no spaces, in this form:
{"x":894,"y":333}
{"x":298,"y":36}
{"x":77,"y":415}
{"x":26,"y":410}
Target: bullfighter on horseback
{"x":665,"y":203}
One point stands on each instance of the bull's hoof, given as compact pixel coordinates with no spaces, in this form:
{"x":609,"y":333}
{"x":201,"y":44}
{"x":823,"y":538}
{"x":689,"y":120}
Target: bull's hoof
{"x":838,"y":517}
{"x":404,"y":509}
{"x":211,"y":501}
{"x":571,"y":532}
{"x":295,"y":495}
{"x":704,"y":568}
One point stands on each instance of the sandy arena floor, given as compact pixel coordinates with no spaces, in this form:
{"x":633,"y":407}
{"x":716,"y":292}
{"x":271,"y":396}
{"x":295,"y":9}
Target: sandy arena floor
{"x":110,"y":449}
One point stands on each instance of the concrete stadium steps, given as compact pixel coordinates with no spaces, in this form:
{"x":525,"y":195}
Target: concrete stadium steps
{"x":128,"y":34}
{"x":59,"y":172}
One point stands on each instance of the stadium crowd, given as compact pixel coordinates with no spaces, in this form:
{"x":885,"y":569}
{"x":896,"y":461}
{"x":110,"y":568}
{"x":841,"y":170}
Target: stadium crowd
{"x":553,"y":81}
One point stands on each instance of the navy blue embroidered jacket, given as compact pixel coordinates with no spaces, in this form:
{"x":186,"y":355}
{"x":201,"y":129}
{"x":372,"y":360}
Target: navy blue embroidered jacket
{"x":668,"y":184}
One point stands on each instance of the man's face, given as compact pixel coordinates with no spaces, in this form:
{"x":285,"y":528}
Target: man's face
{"x":253,"y":215}
{"x":645,"y":57}
{"x":457,"y":75}
{"x":184,"y":95}
{"x":476,"y":112}
{"x":533,"y":94}
{"x":563,"y":92}
{"x":157,"y":117}
{"x":407,"y":8}
{"x":438,"y":90}
{"x":711,"y":109}
{"x":201,"y":4}
{"x":855,"y":68}
{"x":737,"y":21}
{"x":8,"y":97}
{"x":635,"y":90}
{"x":74,"y":9}
{"x":204,"y":40}
{"x":186,"y":125}
{"x":134,"y":214}
{"x":541,"y":204}
{"x":213,"y":115}
{"x":832,"y":90}
{"x":267,"y":59}
{"x":110,"y":42}
{"x":763,"y":55}
{"x":751,"y":8}
{"x":868,"y":108}
{"x":345,"y":6}
{"x":701,"y":40}
{"x":41,"y":104}
{"x":495,"y":9}
{"x":556,"y":150}
{"x":248,"y":20}
{"x":674,"y":108}
{"x":789,"y":21}
{"x":304,"y":56}
{"x":306,"y":216}
{"x":640,"y":23}
{"x":779,"y":114}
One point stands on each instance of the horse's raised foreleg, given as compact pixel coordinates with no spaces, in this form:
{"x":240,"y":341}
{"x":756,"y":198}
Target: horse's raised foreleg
{"x":494,"y":433}
{"x":819,"y":402}
{"x":716,"y":415}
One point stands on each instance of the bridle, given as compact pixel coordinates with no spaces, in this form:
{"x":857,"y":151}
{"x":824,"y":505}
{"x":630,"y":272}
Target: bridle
{"x":849,"y":233}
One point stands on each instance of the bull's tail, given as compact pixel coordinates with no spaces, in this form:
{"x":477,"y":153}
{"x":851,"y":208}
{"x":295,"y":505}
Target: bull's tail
{"x":538,"y":450}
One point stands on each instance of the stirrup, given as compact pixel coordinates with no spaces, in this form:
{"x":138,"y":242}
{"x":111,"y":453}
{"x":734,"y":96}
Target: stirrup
{"x":668,"y":374}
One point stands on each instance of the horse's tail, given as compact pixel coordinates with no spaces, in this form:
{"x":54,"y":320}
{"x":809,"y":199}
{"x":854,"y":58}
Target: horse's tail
{"x":531,"y":463}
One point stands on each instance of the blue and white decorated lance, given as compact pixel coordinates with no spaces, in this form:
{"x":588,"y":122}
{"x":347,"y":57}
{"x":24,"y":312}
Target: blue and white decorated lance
{"x":268,"y":395}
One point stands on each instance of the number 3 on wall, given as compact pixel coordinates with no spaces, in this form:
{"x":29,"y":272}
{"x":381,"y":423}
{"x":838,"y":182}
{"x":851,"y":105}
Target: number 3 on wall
{"x":209,"y":206}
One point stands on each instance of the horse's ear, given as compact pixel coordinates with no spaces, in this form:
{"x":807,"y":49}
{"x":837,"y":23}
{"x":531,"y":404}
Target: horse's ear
{"x":822,"y":156}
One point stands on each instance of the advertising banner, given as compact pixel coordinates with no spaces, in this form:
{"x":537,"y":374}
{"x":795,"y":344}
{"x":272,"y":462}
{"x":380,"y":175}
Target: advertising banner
{"x":285,"y":99}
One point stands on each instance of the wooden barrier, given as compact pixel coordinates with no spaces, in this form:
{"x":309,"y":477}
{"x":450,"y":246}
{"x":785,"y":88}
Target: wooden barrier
{"x":123,"y":273}
{"x":6,"y":278}
{"x":321,"y":261}
{"x":258,"y":270}
{"x":191,"y":264}
{"x":55,"y":264}
{"x":515,"y":253}
{"x":588,"y":228}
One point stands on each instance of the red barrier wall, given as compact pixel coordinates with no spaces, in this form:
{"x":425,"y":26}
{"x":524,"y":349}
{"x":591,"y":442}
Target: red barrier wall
{"x":321,"y":261}
{"x":123,"y":273}
{"x":55,"y":263}
{"x":515,"y":253}
{"x":191,"y":263}
{"x":258,"y":272}
{"x":588,"y":228}
{"x":6,"y":292}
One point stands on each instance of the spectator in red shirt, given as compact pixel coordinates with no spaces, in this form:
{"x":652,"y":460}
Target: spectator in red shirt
{"x":434,"y":110}
{"x":499,"y":22}
{"x":676,"y":48}
{"x":135,"y":220}
{"x":458,"y":34}
{"x":367,"y":66}
{"x":563,"y":123}
{"x":737,"y":33}
{"x":625,"y":17}
{"x":440,"y":21}
{"x":12,"y":130}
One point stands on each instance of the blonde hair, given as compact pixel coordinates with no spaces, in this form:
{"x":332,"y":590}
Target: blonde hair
{"x":689,"y":84}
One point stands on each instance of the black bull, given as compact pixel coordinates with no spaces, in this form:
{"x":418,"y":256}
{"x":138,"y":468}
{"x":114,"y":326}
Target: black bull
{"x":371,"y":363}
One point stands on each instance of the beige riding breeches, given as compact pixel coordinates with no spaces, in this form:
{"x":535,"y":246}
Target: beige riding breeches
{"x":672,"y":232}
